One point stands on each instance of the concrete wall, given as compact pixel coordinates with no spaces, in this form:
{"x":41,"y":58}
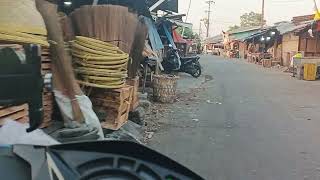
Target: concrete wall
{"x":290,"y":45}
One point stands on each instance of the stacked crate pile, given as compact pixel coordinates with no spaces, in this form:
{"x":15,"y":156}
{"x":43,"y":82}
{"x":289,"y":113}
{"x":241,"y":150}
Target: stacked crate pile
{"x":112,"y":106}
{"x":135,"y":92}
{"x":18,"y":113}
{"x":47,"y":97}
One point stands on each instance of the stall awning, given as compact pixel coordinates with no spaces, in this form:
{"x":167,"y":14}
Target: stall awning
{"x":177,"y":38}
{"x":181,"y":24}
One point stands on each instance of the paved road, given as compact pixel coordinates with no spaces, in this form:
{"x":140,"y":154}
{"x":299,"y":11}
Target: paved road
{"x":249,"y":123}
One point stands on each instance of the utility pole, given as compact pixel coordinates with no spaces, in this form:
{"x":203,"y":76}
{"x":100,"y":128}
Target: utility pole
{"x":209,"y":14}
{"x":315,"y":6}
{"x":200,"y":29}
{"x":262,"y":14}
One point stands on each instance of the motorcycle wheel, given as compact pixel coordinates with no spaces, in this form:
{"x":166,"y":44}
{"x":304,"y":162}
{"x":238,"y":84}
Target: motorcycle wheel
{"x":197,"y":71}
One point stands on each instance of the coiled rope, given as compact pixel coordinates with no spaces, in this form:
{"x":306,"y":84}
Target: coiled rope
{"x":99,"y":64}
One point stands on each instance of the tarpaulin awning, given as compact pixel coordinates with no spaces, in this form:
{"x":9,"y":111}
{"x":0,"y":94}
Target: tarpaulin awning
{"x":177,"y":38}
{"x":180,"y":23}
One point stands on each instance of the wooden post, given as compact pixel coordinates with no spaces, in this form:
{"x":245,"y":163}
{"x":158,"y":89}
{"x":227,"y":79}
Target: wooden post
{"x":63,"y":75}
{"x":275,"y":48}
{"x":306,"y":47}
{"x":262,"y":14}
{"x":317,"y":38}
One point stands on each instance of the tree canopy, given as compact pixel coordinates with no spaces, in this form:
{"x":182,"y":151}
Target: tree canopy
{"x":235,"y":27}
{"x":248,"y":20}
{"x":188,"y":33}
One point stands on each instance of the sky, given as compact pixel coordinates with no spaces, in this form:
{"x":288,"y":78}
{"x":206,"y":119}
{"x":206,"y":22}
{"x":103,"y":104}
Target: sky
{"x":226,"y":13}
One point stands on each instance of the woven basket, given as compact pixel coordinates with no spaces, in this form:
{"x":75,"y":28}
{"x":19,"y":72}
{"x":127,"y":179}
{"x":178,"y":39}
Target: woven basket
{"x":165,"y":88}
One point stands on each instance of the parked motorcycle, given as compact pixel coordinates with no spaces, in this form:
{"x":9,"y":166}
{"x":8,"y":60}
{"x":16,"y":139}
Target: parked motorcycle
{"x":175,"y":63}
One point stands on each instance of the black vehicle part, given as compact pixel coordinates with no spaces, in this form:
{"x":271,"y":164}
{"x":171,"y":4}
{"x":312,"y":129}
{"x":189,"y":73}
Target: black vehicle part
{"x":22,"y":81}
{"x":12,"y":166}
{"x":196,"y":72}
{"x":116,"y":160}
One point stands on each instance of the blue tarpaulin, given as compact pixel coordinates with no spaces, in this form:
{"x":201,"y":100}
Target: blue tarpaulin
{"x":154,"y":36}
{"x":169,"y":36}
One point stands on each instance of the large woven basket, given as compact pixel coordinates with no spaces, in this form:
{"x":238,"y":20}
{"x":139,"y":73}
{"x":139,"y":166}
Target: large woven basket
{"x":165,"y":88}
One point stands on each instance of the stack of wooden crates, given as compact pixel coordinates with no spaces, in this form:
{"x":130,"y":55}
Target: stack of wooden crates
{"x":135,"y":96}
{"x":20,"y":113}
{"x":47,"y":96}
{"x":112,"y":106}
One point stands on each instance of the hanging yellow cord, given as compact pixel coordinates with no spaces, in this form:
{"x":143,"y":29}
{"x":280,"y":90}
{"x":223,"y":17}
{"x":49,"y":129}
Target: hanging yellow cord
{"x":99,"y":64}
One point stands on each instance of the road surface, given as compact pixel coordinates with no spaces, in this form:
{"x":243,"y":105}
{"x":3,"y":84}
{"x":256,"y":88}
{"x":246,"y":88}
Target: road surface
{"x":244,"y":122}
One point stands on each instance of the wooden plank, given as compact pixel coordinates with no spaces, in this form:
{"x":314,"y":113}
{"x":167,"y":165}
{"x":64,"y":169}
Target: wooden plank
{"x":23,"y":120}
{"x":10,"y":110}
{"x":135,"y":92}
{"x":14,"y":116}
{"x":45,"y":59}
{"x":115,"y":126}
{"x":46,"y":66}
{"x":134,"y":105}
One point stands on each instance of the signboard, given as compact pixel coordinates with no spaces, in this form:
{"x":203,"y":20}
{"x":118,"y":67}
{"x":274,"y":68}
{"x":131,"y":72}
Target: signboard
{"x":168,"y":5}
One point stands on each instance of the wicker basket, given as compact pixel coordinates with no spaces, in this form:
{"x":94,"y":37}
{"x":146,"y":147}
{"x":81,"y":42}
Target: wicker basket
{"x":164,"y":88}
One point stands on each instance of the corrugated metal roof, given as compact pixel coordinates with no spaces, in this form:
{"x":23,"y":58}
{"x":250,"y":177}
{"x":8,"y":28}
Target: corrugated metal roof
{"x":282,"y":27}
{"x":214,"y":39}
{"x":240,"y":36}
{"x":287,"y":27}
{"x":244,"y":29}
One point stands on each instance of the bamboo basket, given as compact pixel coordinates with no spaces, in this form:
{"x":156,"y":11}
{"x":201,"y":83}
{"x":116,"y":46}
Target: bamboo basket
{"x":165,"y":88}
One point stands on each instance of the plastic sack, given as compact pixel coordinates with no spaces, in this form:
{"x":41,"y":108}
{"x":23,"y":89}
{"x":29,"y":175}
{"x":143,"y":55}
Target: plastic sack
{"x":13,"y":132}
{"x":90,"y":116}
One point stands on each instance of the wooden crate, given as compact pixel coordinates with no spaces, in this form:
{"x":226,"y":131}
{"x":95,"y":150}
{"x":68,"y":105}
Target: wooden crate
{"x":267,"y":63}
{"x":18,"y":113}
{"x":112,"y":106}
{"x":47,"y":97}
{"x":135,"y":93}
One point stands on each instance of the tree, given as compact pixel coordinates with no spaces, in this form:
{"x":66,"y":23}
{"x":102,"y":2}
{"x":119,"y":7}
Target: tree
{"x":250,"y":19}
{"x":188,"y":33}
{"x":232,"y":28}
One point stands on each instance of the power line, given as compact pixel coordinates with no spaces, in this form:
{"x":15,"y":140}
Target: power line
{"x":262,"y":15}
{"x":183,"y":29}
{"x":208,"y":18}
{"x":187,"y":15}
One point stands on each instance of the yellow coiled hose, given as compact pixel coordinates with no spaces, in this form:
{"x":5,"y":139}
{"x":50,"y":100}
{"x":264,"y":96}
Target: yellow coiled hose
{"x":99,"y":64}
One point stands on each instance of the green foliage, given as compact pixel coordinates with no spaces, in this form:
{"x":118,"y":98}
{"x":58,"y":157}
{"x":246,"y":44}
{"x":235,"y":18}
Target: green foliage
{"x":188,"y":33}
{"x":250,"y":19}
{"x":235,"y":27}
